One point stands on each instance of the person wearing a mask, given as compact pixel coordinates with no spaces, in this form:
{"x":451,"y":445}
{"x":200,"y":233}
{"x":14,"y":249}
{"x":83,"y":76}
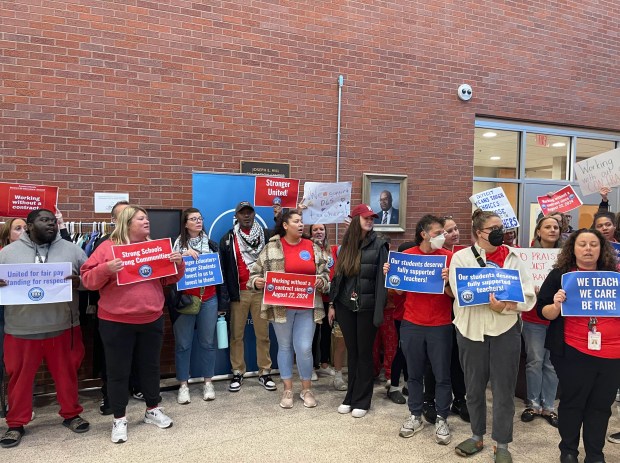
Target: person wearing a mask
{"x":426,"y":332}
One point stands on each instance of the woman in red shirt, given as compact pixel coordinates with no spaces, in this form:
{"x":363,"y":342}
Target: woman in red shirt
{"x":588,"y":378}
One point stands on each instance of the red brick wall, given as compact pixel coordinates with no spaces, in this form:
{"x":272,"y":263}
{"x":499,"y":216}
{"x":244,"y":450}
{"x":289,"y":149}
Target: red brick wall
{"x":134,"y":95}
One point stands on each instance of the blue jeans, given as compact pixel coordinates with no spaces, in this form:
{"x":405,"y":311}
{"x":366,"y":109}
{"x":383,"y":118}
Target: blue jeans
{"x":204,"y":322}
{"x":542,"y":382}
{"x":295,"y":334}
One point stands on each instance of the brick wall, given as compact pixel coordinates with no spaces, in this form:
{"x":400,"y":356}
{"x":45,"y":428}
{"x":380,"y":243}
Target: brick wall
{"x":134,"y":95}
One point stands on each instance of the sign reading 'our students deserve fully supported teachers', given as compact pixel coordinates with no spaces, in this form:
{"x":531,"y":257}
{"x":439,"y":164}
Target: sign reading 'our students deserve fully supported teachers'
{"x":473,"y":285}
{"x":415,"y":273}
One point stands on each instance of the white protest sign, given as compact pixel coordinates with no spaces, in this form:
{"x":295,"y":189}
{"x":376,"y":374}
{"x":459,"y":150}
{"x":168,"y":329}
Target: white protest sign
{"x":35,"y":283}
{"x":599,"y":171}
{"x":495,"y":200}
{"x":326,"y":202}
{"x":539,"y":261}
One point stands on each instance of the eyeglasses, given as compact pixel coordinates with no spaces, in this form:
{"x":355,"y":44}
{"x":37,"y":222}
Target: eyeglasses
{"x":494,"y":228}
{"x":194,"y":219}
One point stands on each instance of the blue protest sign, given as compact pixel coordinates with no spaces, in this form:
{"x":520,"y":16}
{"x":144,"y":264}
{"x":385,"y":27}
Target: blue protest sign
{"x":205,"y":271}
{"x":415,"y":273}
{"x":591,"y":294}
{"x":473,"y":285}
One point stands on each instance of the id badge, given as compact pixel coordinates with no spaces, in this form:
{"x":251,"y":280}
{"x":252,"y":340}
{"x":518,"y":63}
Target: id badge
{"x":594,"y":340}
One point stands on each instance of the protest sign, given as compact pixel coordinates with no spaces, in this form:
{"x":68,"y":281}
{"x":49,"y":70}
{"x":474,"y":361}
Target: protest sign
{"x":563,"y":200}
{"x":289,"y":290}
{"x":17,"y":200}
{"x":539,"y":262}
{"x":143,"y":261}
{"x":473,"y":285}
{"x":326,"y":202}
{"x":206,"y":271}
{"x":599,"y":171}
{"x":104,"y":202}
{"x":495,"y":200}
{"x":269,"y":191}
{"x":415,"y":273}
{"x":591,"y":294}
{"x":35,"y":283}
{"x":616,"y":247}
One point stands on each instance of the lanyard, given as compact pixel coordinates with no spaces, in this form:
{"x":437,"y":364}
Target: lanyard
{"x":38,"y":258}
{"x":592,"y":324}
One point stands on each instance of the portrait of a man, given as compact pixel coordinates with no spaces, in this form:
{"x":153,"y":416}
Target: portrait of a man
{"x":387,"y":195}
{"x":387,"y":213}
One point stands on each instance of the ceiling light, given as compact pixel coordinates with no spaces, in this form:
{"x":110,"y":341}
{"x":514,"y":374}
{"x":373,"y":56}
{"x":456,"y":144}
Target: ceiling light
{"x":495,"y":158}
{"x":559,"y":144}
{"x":489,"y":134}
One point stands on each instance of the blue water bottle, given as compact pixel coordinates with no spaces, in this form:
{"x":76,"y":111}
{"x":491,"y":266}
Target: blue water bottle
{"x":222,"y":333}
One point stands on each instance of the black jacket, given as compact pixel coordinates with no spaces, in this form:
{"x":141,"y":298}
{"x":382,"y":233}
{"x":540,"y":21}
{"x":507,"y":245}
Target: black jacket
{"x":372,"y":290}
{"x":555,"y":333}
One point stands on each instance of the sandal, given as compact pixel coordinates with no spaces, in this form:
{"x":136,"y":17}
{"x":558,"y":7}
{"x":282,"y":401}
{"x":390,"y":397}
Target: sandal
{"x":12,"y":437}
{"x":77,"y":424}
{"x":501,"y":456}
{"x":552,"y":418}
{"x":528,"y":415}
{"x":469,"y":447}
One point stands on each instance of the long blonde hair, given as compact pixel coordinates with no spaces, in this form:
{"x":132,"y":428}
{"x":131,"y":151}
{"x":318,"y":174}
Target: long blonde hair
{"x":120,"y":235}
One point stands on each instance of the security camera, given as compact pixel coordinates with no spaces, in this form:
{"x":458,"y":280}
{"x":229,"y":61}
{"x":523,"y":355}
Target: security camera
{"x":465,"y":92}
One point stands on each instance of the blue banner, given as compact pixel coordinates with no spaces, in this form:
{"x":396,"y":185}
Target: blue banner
{"x":205,"y":271}
{"x":591,"y":294}
{"x":473,"y":285}
{"x":415,"y":273}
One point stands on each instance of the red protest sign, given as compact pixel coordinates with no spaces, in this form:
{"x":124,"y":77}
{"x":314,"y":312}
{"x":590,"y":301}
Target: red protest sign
{"x":273,"y":190}
{"x":563,"y":200}
{"x":143,"y":261}
{"x":17,"y":200}
{"x":289,"y":290}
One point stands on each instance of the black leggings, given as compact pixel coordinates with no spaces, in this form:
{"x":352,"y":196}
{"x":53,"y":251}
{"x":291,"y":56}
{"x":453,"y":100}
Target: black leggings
{"x":322,"y":341}
{"x":398,"y":364}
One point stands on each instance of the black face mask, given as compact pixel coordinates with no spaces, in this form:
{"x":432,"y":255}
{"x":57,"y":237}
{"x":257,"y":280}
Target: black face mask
{"x":496,"y":237}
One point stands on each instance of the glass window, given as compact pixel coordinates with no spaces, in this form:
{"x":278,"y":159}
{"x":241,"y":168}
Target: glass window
{"x":511,"y":190}
{"x":588,"y":147}
{"x":546,"y":156}
{"x":496,"y":153}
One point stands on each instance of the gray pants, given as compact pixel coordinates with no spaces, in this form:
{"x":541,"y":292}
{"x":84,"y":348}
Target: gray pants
{"x":496,"y":358}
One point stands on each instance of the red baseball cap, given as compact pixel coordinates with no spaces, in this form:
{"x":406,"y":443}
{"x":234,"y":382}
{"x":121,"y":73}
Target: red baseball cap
{"x":364,"y":210}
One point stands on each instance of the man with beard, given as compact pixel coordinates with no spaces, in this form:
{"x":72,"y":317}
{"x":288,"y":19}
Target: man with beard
{"x":47,"y":331}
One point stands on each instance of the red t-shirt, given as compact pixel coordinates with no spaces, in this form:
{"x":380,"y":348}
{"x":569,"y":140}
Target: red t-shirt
{"x":428,"y":309}
{"x":299,"y":258}
{"x":576,"y":336}
{"x":242,"y":269}
{"x":532,"y":317}
{"x":498,"y":257}
{"x":208,"y":294}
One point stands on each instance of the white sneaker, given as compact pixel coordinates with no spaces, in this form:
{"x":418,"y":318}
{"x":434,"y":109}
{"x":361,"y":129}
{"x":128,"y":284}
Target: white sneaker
{"x":314,"y":377}
{"x":119,"y":430}
{"x":183,"y":395}
{"x":411,"y":425}
{"x":344,"y":409}
{"x":358,"y":413}
{"x":442,"y":432}
{"x":208,"y":391}
{"x":158,"y":418}
{"x":325,"y":371}
{"x":339,"y":383}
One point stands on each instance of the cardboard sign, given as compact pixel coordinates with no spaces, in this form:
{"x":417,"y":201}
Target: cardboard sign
{"x":143,"y":261}
{"x":495,"y":200}
{"x":596,"y":172}
{"x":326,"y":202}
{"x":563,"y":200}
{"x":206,"y":271}
{"x":539,"y":261}
{"x":269,"y":191}
{"x":35,"y":283}
{"x":591,"y":294}
{"x":474,"y":284}
{"x":289,"y":290}
{"x":17,"y":200}
{"x":415,"y":273}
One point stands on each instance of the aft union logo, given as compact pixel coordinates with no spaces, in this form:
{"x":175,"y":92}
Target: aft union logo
{"x":394,"y":280}
{"x":145,"y":271}
{"x":467,"y":296}
{"x":36,"y":294}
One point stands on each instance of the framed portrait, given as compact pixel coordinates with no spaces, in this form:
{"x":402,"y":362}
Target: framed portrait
{"x":387,"y":195}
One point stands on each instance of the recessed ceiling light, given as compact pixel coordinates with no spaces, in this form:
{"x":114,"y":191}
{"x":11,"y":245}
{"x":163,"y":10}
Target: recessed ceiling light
{"x":495,"y":158}
{"x":559,"y":144}
{"x":489,"y":134}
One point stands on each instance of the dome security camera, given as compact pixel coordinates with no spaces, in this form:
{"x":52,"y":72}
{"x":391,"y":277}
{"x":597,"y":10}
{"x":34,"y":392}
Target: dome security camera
{"x":465,"y":92}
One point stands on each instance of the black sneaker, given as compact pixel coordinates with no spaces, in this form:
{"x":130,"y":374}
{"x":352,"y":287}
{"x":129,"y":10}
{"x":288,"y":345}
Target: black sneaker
{"x":267,"y":382}
{"x":397,"y":397}
{"x":430,"y":412}
{"x":104,"y":407}
{"x":235,"y":382}
{"x":459,"y":407}
{"x":405,"y":390}
{"x":12,"y":437}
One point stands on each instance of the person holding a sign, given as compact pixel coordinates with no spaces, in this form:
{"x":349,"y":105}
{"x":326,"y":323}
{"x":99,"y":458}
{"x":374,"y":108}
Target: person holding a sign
{"x":585,"y":350}
{"x":357,"y":299}
{"x":289,"y":254}
{"x":489,"y":336}
{"x":131,"y":321}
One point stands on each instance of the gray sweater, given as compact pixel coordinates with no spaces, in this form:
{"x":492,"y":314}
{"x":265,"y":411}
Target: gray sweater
{"x":41,"y":321}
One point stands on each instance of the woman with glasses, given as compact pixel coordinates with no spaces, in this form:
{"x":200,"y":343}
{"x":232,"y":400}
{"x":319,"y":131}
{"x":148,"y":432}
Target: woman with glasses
{"x":489,"y":337}
{"x":193,"y":241}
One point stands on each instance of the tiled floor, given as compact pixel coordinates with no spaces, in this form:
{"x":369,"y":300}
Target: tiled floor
{"x":250,"y":426}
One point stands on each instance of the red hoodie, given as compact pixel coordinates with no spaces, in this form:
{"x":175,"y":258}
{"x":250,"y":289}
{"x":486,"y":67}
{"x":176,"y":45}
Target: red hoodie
{"x":138,"y":303}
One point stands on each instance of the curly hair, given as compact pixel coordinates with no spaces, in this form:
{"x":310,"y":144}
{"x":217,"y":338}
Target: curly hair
{"x":606,"y":260}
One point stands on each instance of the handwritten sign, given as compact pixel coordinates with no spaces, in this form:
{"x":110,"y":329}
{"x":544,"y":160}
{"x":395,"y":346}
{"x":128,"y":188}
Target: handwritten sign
{"x":17,"y":200}
{"x":539,"y":261}
{"x":473,"y":285}
{"x":596,"y":172}
{"x":289,"y":290}
{"x":206,"y":271}
{"x":35,"y":283}
{"x":563,"y":200}
{"x":415,"y":273}
{"x":143,"y":261}
{"x":269,"y":191}
{"x":591,"y":294}
{"x":327,"y":202}
{"x":496,"y":200}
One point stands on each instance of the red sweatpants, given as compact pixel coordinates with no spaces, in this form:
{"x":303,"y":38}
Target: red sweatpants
{"x":386,"y":340}
{"x":22,"y":358}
